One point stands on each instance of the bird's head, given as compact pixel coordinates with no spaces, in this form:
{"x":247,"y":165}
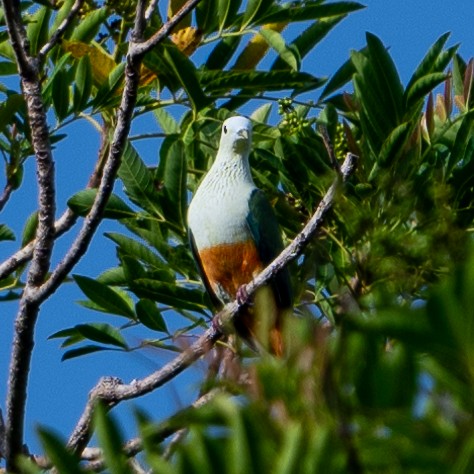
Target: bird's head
{"x":236,"y":137}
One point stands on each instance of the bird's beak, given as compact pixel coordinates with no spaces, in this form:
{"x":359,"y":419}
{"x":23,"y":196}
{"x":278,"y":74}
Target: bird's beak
{"x":243,"y":133}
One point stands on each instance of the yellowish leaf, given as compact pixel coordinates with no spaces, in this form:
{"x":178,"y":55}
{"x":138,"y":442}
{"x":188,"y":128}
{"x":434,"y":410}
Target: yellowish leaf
{"x":173,"y":7}
{"x":256,"y":48}
{"x":187,"y":39}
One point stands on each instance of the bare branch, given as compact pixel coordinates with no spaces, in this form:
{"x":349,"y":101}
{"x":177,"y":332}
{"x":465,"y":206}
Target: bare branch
{"x":165,"y":30}
{"x":56,"y":36}
{"x":7,"y":191}
{"x":18,"y":38}
{"x":113,"y":391}
{"x":28,"y":310}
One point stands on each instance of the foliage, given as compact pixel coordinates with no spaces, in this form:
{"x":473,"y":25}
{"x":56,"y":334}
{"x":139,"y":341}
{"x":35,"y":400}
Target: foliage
{"x":379,"y":353}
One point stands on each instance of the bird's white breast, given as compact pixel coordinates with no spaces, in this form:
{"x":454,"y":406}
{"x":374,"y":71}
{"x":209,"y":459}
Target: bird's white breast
{"x":218,"y":212}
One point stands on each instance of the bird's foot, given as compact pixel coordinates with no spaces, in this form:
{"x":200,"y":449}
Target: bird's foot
{"x":242,"y":297}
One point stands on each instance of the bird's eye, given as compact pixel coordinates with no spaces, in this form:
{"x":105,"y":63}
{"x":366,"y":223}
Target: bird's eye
{"x":225,"y":129}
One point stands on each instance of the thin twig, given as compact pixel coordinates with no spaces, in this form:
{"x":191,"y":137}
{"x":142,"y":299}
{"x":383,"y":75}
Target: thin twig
{"x":165,"y":30}
{"x":114,"y":391}
{"x":7,"y":191}
{"x":58,"y":33}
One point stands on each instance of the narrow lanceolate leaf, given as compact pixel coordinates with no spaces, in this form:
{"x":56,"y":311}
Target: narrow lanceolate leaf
{"x":223,"y":52}
{"x":6,"y":233}
{"x":108,"y":93}
{"x":340,"y":78}
{"x":186,"y":74}
{"x":9,"y":108}
{"x":81,"y":203}
{"x":253,"y":11}
{"x":139,"y":182}
{"x":226,"y":12}
{"x":82,"y":84}
{"x":309,"y":38}
{"x":394,"y":144}
{"x":62,"y":459}
{"x":89,"y":26}
{"x":110,"y":441}
{"x":150,"y":316}
{"x":206,"y":17}
{"x":134,"y":248}
{"x":462,"y":139}
{"x":29,"y":230}
{"x":287,"y":54}
{"x":102,"y":333}
{"x":387,"y":76}
{"x":221,"y":81}
{"x":7,"y":68}
{"x":37,"y":29}
{"x":169,"y":294}
{"x":167,"y":123}
{"x":172,"y":174}
{"x":427,"y":64}
{"x":60,"y":94}
{"x":104,"y":296}
{"x":81,"y":351}
{"x":311,"y":10}
{"x":422,"y":87}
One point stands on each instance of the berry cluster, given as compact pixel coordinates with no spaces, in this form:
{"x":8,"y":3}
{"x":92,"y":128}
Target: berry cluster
{"x":292,"y":122}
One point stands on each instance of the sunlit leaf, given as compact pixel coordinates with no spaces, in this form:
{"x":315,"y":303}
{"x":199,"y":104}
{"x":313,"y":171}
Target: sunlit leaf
{"x":81,"y":203}
{"x":150,"y":316}
{"x":104,"y":296}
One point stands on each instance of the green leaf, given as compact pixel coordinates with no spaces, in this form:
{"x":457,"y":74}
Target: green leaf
{"x":459,"y":68}
{"x":62,"y":458}
{"x":253,"y":11}
{"x":277,"y":42}
{"x":462,"y":138}
{"x":186,"y":74}
{"x":129,"y":246}
{"x":90,"y":25}
{"x":60,"y":94}
{"x":388,"y":80}
{"x":8,"y":68}
{"x":422,"y":87}
{"x":222,"y":81}
{"x":427,"y":64}
{"x":103,"y":333}
{"x":310,"y":10}
{"x":108,"y":93}
{"x":82,"y":351}
{"x":222,"y":53}
{"x":6,"y":233}
{"x":13,"y":104}
{"x":82,"y":84}
{"x":169,"y":294}
{"x":81,"y":203}
{"x":309,"y":38}
{"x":172,"y":175}
{"x":394,"y":145}
{"x":110,"y":440}
{"x":139,"y":182}
{"x":206,"y":17}
{"x":150,"y":316}
{"x":262,"y":114}
{"x":29,"y":230}
{"x":104,"y":296}
{"x":37,"y":29}
{"x":166,"y":121}
{"x":226,"y":12}
{"x":61,"y":15}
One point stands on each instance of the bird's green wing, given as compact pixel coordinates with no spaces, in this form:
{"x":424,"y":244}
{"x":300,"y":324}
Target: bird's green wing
{"x":266,"y":233}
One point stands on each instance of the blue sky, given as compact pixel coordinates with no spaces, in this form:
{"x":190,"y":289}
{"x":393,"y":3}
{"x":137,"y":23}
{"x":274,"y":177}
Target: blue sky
{"x":58,"y":391}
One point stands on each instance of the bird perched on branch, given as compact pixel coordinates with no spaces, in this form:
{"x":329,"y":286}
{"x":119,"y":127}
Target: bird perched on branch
{"x":234,"y":234}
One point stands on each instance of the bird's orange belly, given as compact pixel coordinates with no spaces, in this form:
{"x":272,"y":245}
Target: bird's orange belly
{"x":229,"y":266}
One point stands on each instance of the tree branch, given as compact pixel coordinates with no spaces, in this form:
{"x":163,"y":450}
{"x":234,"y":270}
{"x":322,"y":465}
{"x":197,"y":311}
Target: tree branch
{"x":7,"y":191}
{"x":114,"y":391}
{"x":56,"y":36}
{"x":25,"y":321}
{"x":165,"y":30}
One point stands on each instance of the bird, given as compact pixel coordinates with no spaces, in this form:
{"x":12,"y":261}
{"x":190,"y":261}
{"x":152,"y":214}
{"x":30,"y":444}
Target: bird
{"x":234,"y":234}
